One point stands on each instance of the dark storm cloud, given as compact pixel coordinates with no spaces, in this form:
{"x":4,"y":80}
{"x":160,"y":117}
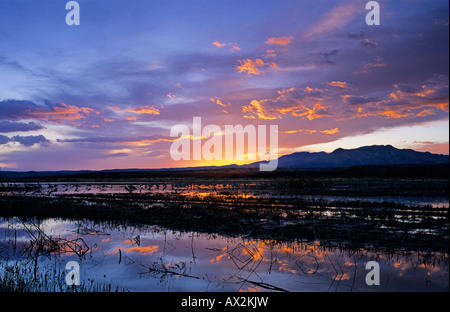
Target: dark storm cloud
{"x":17,"y":109}
{"x":11,"y":126}
{"x":25,"y":140}
{"x":326,"y":58}
{"x":30,"y":140}
{"x":4,"y":139}
{"x":359,"y":100}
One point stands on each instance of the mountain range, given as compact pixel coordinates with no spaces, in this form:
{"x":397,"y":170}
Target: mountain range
{"x":375,"y":155}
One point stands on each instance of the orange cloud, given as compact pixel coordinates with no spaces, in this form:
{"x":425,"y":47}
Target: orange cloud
{"x":234,"y":46}
{"x":426,"y":112}
{"x":393,"y":96}
{"x":318,"y":111}
{"x":64,"y":112}
{"x":286,"y":103}
{"x":150,"y":110}
{"x":218,"y":44}
{"x":257,"y":108}
{"x":405,"y":101}
{"x":338,"y":84}
{"x":284,"y":93}
{"x":250,"y":67}
{"x":117,"y":109}
{"x":423,"y":142}
{"x":393,"y":114}
{"x":279,"y":41}
{"x":270,"y":53}
{"x":299,"y":131}
{"x":220,"y":103}
{"x":137,"y":110}
{"x":330,"y":131}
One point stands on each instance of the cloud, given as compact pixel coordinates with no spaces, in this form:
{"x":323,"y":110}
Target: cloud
{"x":270,"y":53}
{"x":326,"y":58}
{"x":141,"y":140}
{"x":4,"y":139}
{"x":359,"y":36}
{"x":414,"y":100}
{"x":220,"y":102}
{"x":233,"y":45}
{"x":150,"y":110}
{"x":13,"y":64}
{"x":330,"y":131}
{"x":358,"y":100}
{"x":18,"y":109}
{"x":252,"y":67}
{"x":11,"y":126}
{"x":433,"y":93}
{"x":60,"y":113}
{"x":367,"y":43}
{"x":318,"y":111}
{"x":283,"y":41}
{"x":406,"y":100}
{"x":376,"y":63}
{"x":30,"y":140}
{"x":426,"y":112}
{"x":338,"y":84}
{"x":299,"y":131}
{"x":333,"y":20}
{"x":249,"y":66}
{"x":63,"y":112}
{"x":443,"y":22}
{"x":25,"y":140}
{"x":218,"y":44}
{"x":287,"y":102}
{"x":256,"y":108}
{"x":116,"y":155}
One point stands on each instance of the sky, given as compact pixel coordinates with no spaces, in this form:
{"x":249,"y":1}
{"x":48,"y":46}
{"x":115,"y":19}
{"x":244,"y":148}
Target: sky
{"x":105,"y":94}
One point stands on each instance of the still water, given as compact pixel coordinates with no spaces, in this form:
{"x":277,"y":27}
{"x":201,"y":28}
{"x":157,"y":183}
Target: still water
{"x":151,"y":258}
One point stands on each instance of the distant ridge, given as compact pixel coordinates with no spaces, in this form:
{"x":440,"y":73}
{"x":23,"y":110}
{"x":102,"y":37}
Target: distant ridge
{"x":375,"y":155}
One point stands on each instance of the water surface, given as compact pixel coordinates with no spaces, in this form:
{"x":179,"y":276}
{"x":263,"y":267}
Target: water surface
{"x":152,"y":258}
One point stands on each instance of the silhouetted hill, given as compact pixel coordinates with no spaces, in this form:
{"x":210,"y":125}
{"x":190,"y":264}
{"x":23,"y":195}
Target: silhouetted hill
{"x":375,"y":155}
{"x":367,"y":157}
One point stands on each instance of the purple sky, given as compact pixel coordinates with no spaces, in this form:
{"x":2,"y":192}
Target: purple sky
{"x":106,"y":93}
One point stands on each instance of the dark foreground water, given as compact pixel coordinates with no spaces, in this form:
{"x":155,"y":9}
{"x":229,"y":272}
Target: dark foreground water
{"x":34,"y":255}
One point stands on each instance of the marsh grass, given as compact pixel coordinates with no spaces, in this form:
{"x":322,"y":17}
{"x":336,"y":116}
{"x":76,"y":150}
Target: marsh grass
{"x":20,"y":277}
{"x":33,"y":264}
